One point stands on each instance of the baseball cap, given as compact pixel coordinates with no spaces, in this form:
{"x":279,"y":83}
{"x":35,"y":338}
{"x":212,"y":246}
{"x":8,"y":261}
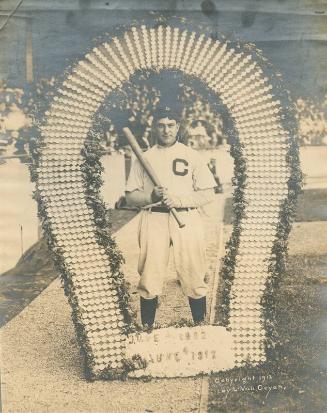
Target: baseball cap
{"x":170,"y":112}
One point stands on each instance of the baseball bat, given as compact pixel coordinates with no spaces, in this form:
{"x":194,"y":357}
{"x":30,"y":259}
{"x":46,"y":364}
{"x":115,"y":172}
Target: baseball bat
{"x":148,"y":168}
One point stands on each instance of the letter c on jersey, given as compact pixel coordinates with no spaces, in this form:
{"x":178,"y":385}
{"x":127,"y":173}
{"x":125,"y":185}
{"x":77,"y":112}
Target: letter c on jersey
{"x":179,"y":170}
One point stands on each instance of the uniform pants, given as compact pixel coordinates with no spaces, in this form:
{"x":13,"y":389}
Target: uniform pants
{"x":158,"y":231}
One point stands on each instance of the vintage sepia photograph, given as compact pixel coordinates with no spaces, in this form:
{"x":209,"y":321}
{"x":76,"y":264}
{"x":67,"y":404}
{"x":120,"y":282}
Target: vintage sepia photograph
{"x":163,"y":186}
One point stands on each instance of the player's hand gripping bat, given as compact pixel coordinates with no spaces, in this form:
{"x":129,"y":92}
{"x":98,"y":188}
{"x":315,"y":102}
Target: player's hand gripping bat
{"x":148,"y":168}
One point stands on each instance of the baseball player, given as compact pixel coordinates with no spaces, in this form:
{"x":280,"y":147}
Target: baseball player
{"x":187,"y":184}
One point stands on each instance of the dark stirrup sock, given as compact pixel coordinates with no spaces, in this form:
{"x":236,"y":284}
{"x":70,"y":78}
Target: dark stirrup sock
{"x":148,"y":310}
{"x":198,"y":308}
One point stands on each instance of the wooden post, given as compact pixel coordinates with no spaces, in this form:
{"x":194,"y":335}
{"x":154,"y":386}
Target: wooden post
{"x":21,"y":240}
{"x":29,"y":51}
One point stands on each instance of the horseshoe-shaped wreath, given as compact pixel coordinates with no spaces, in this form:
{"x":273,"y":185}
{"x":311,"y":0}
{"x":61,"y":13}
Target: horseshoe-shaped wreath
{"x":266,"y":179}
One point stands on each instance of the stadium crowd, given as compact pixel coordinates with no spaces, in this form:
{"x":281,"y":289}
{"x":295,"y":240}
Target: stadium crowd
{"x":14,"y":122}
{"x":203,"y":128}
{"x":312,"y":122}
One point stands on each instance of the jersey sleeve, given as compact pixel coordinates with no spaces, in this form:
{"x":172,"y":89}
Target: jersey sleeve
{"x":202,"y":176}
{"x":136,"y":177}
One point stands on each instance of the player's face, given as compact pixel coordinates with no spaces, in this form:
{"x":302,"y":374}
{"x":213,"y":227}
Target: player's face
{"x":166,"y":131}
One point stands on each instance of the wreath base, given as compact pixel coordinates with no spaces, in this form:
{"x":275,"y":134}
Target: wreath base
{"x":181,"y":352}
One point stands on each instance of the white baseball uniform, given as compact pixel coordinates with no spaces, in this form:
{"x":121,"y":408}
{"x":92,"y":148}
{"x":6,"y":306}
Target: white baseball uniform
{"x":183,"y":172}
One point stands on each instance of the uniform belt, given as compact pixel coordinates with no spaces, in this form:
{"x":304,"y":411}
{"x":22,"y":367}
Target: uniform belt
{"x":165,"y":209}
